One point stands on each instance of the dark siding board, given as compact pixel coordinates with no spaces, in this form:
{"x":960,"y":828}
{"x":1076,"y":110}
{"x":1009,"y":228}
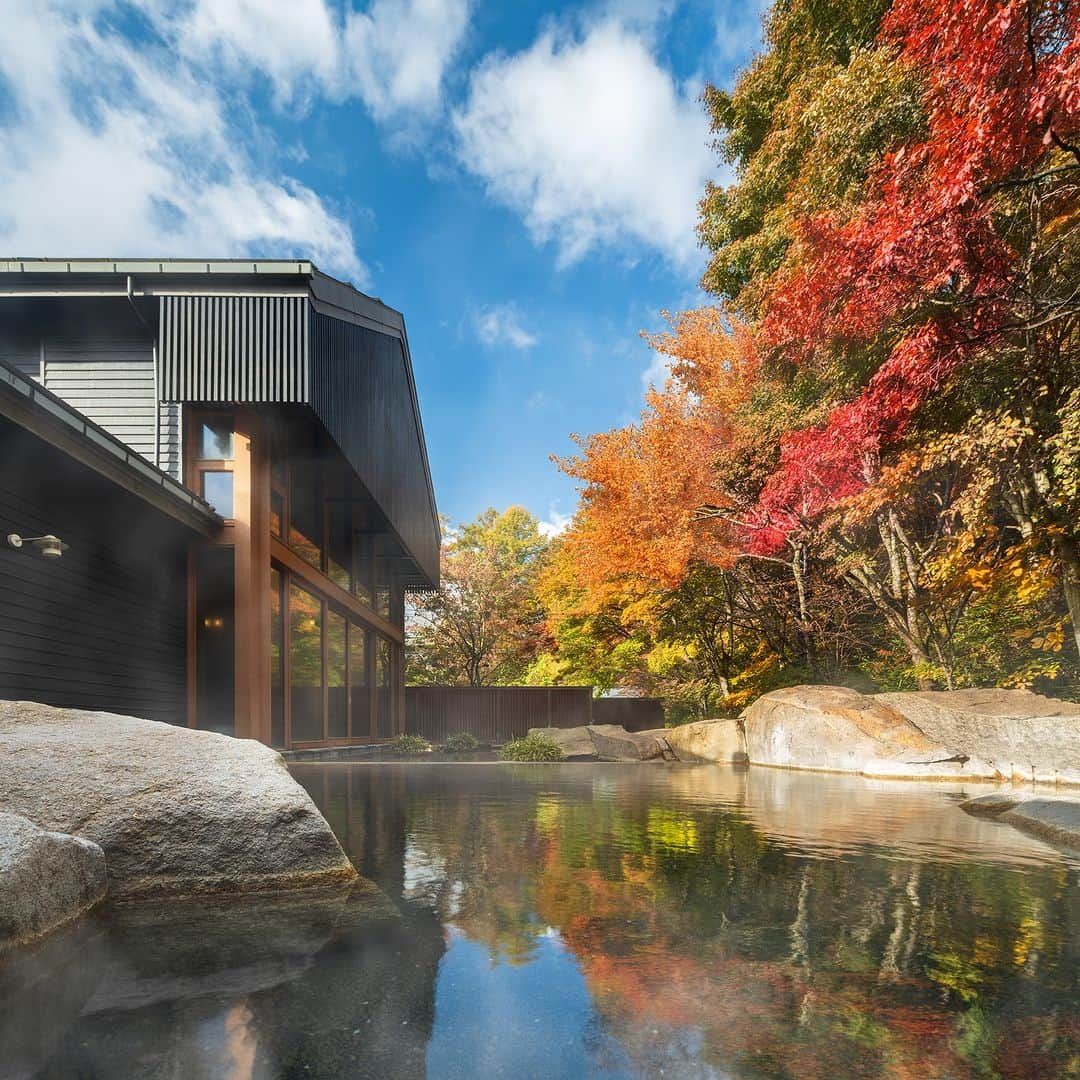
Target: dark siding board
{"x":102,"y":628}
{"x":361,"y":392}
{"x":25,"y":361}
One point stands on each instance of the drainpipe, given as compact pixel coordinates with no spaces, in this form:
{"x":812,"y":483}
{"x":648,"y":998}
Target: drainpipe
{"x":153,"y":358}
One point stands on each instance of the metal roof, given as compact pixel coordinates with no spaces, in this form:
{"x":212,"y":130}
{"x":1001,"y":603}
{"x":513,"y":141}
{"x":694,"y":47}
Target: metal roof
{"x":58,"y":423}
{"x":326,"y":288}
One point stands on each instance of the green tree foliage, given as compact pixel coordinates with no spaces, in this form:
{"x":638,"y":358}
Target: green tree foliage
{"x":485,"y":625}
{"x":802,"y":128}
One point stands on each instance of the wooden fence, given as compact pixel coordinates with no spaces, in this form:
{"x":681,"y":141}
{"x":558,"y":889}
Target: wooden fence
{"x":497,"y":713}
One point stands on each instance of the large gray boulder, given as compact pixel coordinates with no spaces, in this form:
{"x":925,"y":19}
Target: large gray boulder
{"x":720,"y":740}
{"x":834,"y":729}
{"x":961,"y":734}
{"x":1026,"y":737}
{"x":602,"y":742}
{"x":176,"y":811}
{"x":1049,"y":817}
{"x":46,"y":879}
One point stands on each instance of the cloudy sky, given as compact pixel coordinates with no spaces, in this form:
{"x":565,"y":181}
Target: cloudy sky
{"x":520,"y":179}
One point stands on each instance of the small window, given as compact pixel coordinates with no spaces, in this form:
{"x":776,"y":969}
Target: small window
{"x":215,"y":439}
{"x":217,"y":490}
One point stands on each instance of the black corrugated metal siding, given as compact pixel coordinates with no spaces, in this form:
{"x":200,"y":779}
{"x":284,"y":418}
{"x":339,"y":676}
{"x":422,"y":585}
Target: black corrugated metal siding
{"x":361,"y":393}
{"x":234,"y":349}
{"x":263,"y":349}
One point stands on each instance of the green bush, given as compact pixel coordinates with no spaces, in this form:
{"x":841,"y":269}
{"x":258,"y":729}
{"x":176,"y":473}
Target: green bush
{"x":409,"y":744}
{"x":460,"y":742}
{"x":531,"y":748}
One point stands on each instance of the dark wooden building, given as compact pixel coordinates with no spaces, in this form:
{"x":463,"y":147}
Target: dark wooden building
{"x":232,"y":452}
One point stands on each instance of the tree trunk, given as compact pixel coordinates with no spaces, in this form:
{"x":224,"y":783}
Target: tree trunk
{"x":1065,"y":549}
{"x":804,"y":617}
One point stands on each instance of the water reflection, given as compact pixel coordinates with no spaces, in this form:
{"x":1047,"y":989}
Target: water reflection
{"x":590,"y":920}
{"x":702,"y":921}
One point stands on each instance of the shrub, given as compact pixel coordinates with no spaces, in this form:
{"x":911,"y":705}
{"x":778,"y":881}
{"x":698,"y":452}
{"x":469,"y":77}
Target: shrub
{"x":531,"y":748}
{"x":460,"y":742}
{"x":409,"y":744}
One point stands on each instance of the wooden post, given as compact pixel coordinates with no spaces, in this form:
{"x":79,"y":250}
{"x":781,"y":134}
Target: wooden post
{"x":251,"y":512}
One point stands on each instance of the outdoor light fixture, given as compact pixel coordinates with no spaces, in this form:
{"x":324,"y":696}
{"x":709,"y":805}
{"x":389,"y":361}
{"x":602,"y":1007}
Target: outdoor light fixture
{"x":49,"y":546}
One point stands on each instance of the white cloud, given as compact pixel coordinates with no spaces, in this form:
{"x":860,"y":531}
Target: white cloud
{"x":591,"y":141}
{"x":117,"y":148}
{"x":396,"y":54}
{"x":393,"y":56}
{"x":556,"y":523}
{"x":656,"y":374}
{"x":500,"y":324}
{"x":286,"y":41}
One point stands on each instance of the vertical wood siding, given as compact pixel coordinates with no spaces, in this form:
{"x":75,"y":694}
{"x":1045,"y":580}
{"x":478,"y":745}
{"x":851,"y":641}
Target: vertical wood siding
{"x":494,"y":713}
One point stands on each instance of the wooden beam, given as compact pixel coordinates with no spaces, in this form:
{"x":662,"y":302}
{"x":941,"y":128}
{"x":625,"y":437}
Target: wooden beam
{"x":319,"y":582}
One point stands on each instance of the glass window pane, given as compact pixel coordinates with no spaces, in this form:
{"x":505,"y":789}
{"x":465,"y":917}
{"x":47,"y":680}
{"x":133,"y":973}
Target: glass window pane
{"x":305,"y":665}
{"x":359,"y":696}
{"x":305,"y":514}
{"x":216,"y":439}
{"x":339,"y":529}
{"x":336,"y":702}
{"x":277,"y":668}
{"x":383,"y":689}
{"x":217,"y":490}
{"x":361,"y":569}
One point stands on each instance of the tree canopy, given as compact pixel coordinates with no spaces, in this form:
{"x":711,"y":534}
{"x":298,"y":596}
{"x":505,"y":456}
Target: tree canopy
{"x":484,"y":626}
{"x":866,"y":463}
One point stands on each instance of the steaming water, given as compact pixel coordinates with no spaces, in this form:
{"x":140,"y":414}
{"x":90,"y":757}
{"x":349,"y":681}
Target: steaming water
{"x":591,"y":920}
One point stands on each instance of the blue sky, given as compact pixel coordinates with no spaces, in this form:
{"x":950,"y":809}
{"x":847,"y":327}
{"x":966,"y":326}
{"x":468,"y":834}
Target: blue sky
{"x":519,"y":179}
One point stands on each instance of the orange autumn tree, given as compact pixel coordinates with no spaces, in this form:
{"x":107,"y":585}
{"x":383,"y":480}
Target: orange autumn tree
{"x":649,"y":585}
{"x":879,"y":456}
{"x":638,"y":526}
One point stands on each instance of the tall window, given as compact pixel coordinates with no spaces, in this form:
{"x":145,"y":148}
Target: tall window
{"x":331,"y":677}
{"x":305,"y":665}
{"x":337,"y":701}
{"x":215,"y":456}
{"x":362,"y":568}
{"x":359,"y":686}
{"x":338,"y":529}
{"x":383,"y":687}
{"x":305,"y":513}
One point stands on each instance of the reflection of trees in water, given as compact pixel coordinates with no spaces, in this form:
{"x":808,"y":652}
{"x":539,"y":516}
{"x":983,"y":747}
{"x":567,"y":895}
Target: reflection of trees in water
{"x":688,"y":917}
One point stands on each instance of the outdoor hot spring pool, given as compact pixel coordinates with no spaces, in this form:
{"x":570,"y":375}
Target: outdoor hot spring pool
{"x":590,"y":920}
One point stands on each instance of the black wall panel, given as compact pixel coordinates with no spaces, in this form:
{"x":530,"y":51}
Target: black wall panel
{"x":103,"y":627}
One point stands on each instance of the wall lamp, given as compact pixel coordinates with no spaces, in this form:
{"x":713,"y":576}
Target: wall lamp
{"x":49,"y":546}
